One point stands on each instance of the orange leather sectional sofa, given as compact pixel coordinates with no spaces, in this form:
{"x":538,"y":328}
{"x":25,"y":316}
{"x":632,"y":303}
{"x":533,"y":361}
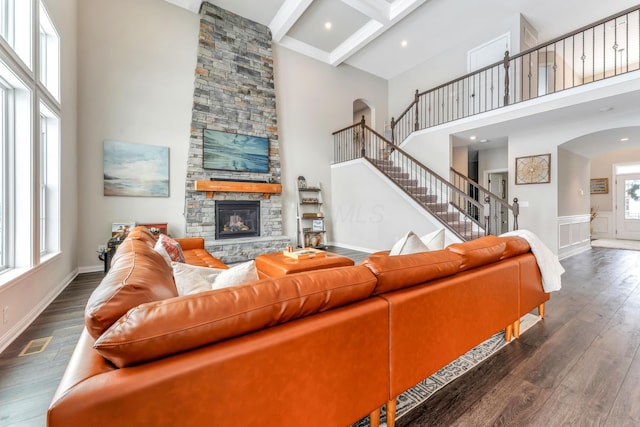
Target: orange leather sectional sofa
{"x":320,"y":348}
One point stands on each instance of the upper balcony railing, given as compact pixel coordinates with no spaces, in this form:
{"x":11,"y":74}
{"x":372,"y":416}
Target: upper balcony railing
{"x":607,"y":48}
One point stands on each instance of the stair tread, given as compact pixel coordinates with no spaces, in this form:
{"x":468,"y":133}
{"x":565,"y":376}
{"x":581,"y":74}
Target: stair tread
{"x":455,"y":219}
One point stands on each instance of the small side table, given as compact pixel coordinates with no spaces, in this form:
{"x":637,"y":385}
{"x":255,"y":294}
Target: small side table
{"x":107,"y":254}
{"x":277,"y":265}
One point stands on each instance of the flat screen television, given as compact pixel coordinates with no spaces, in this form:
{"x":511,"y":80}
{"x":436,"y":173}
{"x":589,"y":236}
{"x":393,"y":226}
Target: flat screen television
{"x":235,"y":152}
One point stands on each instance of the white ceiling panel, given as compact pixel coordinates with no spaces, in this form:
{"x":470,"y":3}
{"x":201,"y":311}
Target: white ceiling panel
{"x":367,"y":33}
{"x":310,"y":28}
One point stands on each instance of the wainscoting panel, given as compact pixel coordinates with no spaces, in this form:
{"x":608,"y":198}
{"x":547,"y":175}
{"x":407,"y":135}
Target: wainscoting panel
{"x":602,"y":226}
{"x":574,"y":235}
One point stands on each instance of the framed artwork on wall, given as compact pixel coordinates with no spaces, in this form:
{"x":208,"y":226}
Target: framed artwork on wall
{"x":135,"y":169}
{"x":122,"y":228}
{"x":533,"y":169}
{"x":234,"y":152}
{"x":600,"y":186}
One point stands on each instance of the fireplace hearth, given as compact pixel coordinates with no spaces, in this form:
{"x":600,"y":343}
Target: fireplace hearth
{"x":237,"y":218}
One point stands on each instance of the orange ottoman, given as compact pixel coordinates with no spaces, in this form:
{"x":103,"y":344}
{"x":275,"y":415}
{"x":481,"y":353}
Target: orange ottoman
{"x":276,"y":264}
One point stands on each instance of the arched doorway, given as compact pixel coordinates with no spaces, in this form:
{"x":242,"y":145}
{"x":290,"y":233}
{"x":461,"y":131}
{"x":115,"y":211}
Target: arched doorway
{"x":362,"y":107}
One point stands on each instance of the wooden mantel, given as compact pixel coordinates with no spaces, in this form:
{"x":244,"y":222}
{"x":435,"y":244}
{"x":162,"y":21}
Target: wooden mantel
{"x":237,"y":187}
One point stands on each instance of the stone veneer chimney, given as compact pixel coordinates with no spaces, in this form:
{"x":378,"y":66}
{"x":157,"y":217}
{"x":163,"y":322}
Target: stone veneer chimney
{"x":234,"y":92}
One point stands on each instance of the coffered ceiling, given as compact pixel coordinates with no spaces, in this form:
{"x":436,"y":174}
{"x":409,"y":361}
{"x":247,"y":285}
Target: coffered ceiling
{"x":389,"y":37}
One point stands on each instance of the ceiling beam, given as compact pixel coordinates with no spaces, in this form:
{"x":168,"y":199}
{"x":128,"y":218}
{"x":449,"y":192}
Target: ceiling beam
{"x":286,"y":17}
{"x":356,"y":41}
{"x":374,"y":9}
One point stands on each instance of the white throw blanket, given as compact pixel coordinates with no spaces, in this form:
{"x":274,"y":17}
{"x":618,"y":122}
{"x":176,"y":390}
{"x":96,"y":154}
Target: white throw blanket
{"x":548,"y":263}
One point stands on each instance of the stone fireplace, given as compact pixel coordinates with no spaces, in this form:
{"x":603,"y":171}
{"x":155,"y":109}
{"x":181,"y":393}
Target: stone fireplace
{"x":237,"y":218}
{"x":233,"y":92}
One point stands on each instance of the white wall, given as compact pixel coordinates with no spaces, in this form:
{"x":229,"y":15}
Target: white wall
{"x":460,"y":160}
{"x":27,"y":296}
{"x":574,"y":233}
{"x":136,"y":73}
{"x":543,"y":216}
{"x":313,"y":100}
{"x":491,"y":160}
{"x":573,"y":183}
{"x":449,"y":64}
{"x":371,"y":213}
{"x":136,"y":65}
{"x":432,"y":148}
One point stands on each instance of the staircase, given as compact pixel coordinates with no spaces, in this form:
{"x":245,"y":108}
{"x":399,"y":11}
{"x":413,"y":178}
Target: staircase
{"x":435,"y":202}
{"x":462,"y":214}
{"x":462,"y":205}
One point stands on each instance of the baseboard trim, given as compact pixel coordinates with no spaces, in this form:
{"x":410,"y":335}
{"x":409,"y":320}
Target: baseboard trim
{"x":574,"y":250}
{"x":91,"y":269}
{"x":33,"y":314}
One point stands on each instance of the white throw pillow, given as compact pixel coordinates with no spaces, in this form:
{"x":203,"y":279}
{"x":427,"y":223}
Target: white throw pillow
{"x":191,"y":279}
{"x":236,"y":275}
{"x":169,"y":249}
{"x":435,"y":240}
{"x":409,"y":244}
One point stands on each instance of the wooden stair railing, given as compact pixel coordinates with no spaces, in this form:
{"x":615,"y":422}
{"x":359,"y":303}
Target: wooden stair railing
{"x":497,"y":214}
{"x":450,"y":205}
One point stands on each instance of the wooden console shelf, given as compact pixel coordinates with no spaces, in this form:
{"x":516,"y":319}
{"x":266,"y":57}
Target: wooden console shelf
{"x":237,"y":187}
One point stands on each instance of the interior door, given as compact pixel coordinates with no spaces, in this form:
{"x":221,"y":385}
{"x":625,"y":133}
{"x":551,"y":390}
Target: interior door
{"x":498,"y":185}
{"x":628,"y":209}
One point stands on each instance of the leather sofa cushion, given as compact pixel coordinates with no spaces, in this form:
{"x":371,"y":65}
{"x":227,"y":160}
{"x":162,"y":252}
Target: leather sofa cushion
{"x":142,"y":233}
{"x":478,"y":252}
{"x":195,"y":253}
{"x":401,"y":271}
{"x":514,"y":246}
{"x":161,"y":328}
{"x":138,"y":275}
{"x":188,"y":243}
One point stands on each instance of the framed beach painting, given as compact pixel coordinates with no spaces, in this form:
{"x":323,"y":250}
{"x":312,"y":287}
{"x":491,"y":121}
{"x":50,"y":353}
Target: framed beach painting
{"x":135,"y":169}
{"x":234,"y":152}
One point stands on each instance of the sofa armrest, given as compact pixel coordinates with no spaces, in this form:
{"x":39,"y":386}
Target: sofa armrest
{"x":188,"y":243}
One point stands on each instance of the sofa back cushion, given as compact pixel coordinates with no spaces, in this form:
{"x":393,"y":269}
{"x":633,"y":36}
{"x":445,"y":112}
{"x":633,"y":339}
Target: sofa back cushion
{"x":397,"y":272}
{"x":478,"y":252}
{"x":514,"y":246}
{"x":142,"y":233}
{"x":138,"y":275}
{"x":161,"y":328}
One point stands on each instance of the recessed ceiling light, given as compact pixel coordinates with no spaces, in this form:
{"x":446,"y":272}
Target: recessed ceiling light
{"x":328,"y":25}
{"x":484,"y":140}
{"x":404,"y":43}
{"x":624,"y":139}
{"x":472,"y":137}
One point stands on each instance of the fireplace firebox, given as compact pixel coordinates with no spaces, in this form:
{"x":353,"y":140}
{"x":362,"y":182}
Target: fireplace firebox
{"x":237,"y":218}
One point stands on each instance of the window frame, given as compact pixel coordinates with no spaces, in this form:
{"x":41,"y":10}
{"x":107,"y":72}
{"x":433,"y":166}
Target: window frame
{"x":5,"y":94}
{"x":48,"y":53}
{"x":30,"y":153}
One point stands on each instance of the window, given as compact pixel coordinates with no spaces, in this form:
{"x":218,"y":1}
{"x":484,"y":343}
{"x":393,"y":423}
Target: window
{"x":43,"y":184}
{"x":29,"y":136}
{"x":629,"y":168}
{"x":49,"y":54}
{"x":48,"y":167}
{"x":631,"y":203}
{"x":3,"y":19}
{"x":3,"y":193}
{"x":15,"y":27}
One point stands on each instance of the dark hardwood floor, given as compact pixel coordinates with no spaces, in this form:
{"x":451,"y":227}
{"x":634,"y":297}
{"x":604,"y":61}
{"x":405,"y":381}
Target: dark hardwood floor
{"x":580,"y":366}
